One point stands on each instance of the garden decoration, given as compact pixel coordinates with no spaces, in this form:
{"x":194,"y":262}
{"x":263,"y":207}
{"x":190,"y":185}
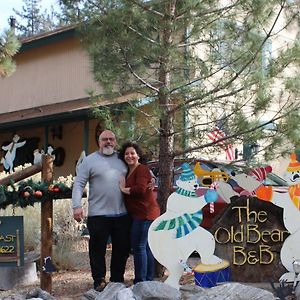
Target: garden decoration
{"x":48,"y":266}
{"x":37,"y":156}
{"x":29,"y":192}
{"x":290,"y":202}
{"x":245,"y":184}
{"x":58,"y":155}
{"x":9,"y":157}
{"x":178,"y":229}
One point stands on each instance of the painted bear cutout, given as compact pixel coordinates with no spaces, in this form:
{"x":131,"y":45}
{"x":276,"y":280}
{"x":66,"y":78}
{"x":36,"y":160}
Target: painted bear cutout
{"x":10,"y":155}
{"x":290,"y":202}
{"x":176,"y":234}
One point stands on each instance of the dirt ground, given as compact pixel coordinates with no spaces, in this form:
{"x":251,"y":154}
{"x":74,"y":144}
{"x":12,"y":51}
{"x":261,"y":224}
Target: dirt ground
{"x":67,"y":285}
{"x":71,"y":285}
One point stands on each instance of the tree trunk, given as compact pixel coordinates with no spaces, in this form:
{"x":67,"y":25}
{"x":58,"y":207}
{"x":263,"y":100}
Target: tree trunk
{"x":166,"y":138}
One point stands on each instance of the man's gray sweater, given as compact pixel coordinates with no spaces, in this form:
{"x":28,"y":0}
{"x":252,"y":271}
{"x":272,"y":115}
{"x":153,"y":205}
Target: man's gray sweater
{"x":103,"y":173}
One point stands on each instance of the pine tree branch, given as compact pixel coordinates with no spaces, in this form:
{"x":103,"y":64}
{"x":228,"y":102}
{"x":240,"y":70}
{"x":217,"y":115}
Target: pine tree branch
{"x":235,"y":135}
{"x":141,"y":35}
{"x":146,"y":8}
{"x":231,"y":80}
{"x":217,"y":11}
{"x":140,"y":79}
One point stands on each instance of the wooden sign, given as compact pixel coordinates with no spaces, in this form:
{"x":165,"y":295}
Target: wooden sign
{"x":11,"y":241}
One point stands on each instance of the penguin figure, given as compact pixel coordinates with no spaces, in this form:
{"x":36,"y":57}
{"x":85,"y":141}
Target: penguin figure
{"x":48,"y":266}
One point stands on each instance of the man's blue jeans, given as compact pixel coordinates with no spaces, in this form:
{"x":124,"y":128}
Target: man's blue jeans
{"x":143,"y":258}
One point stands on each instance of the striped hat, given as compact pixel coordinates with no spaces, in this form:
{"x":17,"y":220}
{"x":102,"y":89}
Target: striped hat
{"x":294,"y":164}
{"x":260,"y":173}
{"x":187,"y":174}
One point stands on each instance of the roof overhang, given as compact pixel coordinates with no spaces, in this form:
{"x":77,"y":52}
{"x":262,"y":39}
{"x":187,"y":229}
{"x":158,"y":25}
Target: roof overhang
{"x":47,"y":37}
{"x":47,"y":114}
{"x":80,"y":109}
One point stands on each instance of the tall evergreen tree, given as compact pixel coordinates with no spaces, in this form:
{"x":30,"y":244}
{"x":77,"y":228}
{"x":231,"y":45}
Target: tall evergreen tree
{"x":32,"y":20}
{"x":70,"y":13}
{"x":204,"y":62}
{"x":9,"y":46}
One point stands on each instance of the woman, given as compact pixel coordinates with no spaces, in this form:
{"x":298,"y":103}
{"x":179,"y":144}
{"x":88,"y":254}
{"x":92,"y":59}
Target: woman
{"x":143,"y":208}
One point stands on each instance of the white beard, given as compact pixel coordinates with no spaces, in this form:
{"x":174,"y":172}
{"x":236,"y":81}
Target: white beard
{"x":108,"y":150}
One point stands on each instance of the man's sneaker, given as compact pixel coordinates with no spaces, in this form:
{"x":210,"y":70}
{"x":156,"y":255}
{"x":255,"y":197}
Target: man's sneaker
{"x":99,"y":287}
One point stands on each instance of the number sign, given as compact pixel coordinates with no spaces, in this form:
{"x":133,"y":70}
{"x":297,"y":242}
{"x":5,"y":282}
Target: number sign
{"x":11,"y":241}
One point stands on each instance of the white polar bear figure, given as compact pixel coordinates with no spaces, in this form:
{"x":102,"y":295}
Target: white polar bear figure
{"x":247,"y":183}
{"x":176,"y":234}
{"x":290,"y":202}
{"x":37,"y":156}
{"x":8,"y":159}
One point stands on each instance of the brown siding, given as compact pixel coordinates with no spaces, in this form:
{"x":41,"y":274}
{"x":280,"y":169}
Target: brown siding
{"x":48,"y":74}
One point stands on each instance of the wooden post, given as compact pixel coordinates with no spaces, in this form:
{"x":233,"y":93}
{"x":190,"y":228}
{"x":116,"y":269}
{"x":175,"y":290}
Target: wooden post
{"x":46,"y":224}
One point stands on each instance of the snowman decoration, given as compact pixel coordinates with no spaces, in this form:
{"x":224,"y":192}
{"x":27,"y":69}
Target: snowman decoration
{"x":290,"y":202}
{"x":176,"y":234}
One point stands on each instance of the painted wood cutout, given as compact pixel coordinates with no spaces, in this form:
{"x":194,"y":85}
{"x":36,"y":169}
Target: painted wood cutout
{"x":176,"y":234}
{"x":9,"y":157}
{"x":290,"y":202}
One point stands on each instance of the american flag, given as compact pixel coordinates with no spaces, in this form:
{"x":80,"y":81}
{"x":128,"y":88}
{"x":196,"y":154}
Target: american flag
{"x":217,"y":134}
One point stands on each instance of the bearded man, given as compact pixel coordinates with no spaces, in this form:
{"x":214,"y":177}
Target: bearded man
{"x":107,"y":215}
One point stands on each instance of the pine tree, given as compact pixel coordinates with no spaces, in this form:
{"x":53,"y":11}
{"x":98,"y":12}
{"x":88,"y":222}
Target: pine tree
{"x":70,"y":13}
{"x":9,"y":46}
{"x":32,"y":20}
{"x":199,"y":63}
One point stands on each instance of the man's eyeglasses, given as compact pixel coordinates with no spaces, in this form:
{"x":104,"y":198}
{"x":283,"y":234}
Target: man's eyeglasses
{"x":106,"y":139}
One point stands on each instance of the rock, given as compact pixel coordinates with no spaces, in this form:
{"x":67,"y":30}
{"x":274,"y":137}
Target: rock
{"x":14,"y":297}
{"x":45,"y":295}
{"x":125,"y":294}
{"x":38,"y":293}
{"x":155,"y":290}
{"x":200,"y":295}
{"x":234,"y":291}
{"x":187,"y":291}
{"x":91,"y":294}
{"x":33,"y":293}
{"x":111,"y":291}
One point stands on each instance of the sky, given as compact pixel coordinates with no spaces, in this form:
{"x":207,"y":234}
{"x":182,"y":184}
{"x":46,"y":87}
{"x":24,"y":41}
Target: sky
{"x":6,"y":9}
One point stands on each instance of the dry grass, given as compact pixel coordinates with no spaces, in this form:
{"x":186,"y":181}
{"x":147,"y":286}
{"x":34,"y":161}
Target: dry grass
{"x":66,"y":231}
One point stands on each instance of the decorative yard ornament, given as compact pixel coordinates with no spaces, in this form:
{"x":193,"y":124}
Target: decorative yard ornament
{"x":260,"y":173}
{"x":9,"y":157}
{"x":238,"y":184}
{"x":48,"y":266}
{"x":58,"y":155}
{"x":177,"y":233}
{"x":50,"y":150}
{"x":37,"y":156}
{"x":289,"y":201}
